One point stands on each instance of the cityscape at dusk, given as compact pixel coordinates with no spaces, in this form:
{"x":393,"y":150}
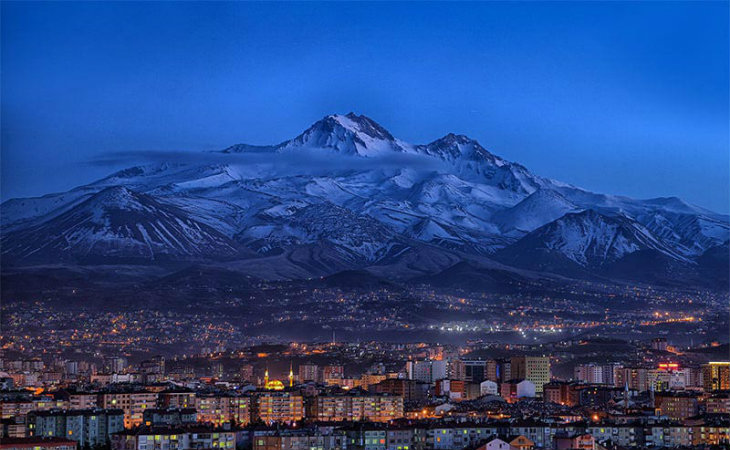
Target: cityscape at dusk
{"x":365,"y":225}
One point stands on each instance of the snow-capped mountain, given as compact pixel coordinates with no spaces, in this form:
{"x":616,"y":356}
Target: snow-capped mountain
{"x":348,"y":134}
{"x":347,"y":194}
{"x":540,"y":207}
{"x":117,"y":224}
{"x":472,"y":161}
{"x":587,"y":239}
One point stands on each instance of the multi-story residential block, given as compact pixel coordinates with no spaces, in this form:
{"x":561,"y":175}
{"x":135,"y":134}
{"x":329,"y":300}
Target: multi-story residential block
{"x":115,"y":364}
{"x":369,"y":379}
{"x":563,"y":393}
{"x":14,"y":427}
{"x":600,"y":395}
{"x":16,"y":408}
{"x":676,"y":405}
{"x":333,"y":372}
{"x":174,"y":438}
{"x":309,"y":372}
{"x":132,"y":403}
{"x":659,"y":344}
{"x":278,"y":406}
{"x":410,"y":390}
{"x":82,"y":400}
{"x":419,"y":370}
{"x":535,"y":369}
{"x":399,"y":438}
{"x":90,"y":427}
{"x":635,"y":378}
{"x":176,"y":398}
{"x":471,"y":371}
{"x":710,"y":431}
{"x":36,"y":443}
{"x":499,"y":370}
{"x":718,"y":403}
{"x":668,"y":435}
{"x":170,"y":416}
{"x":716,"y":376}
{"x":694,"y":377}
{"x":443,"y":437}
{"x":220,"y":409}
{"x":593,"y":373}
{"x":589,"y":373}
{"x":20,"y":406}
{"x":367,"y":437}
{"x":246,"y":372}
{"x":356,"y":406}
{"x":304,"y":439}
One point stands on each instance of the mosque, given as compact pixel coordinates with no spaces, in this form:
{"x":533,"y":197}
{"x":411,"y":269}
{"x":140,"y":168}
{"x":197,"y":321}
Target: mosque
{"x":276,"y":385}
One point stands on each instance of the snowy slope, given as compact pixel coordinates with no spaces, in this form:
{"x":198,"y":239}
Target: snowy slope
{"x":347,"y":194}
{"x":587,"y":239}
{"x":469,"y":160}
{"x":117,"y":224}
{"x":540,"y":207}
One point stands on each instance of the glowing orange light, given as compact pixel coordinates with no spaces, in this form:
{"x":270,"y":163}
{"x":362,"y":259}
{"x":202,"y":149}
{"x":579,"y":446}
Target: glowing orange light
{"x":668,"y":366}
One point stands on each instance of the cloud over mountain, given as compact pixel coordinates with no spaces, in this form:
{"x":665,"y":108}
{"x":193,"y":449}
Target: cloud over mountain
{"x":347,"y":194}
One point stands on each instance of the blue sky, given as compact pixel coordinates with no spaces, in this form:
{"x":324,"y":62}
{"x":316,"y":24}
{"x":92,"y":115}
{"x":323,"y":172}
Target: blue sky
{"x":618,"y":97}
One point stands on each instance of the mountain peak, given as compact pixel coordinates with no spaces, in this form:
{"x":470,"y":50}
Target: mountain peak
{"x":456,"y":138}
{"x":349,"y":134}
{"x":355,"y":117}
{"x":362,"y":124}
{"x":458,"y":146}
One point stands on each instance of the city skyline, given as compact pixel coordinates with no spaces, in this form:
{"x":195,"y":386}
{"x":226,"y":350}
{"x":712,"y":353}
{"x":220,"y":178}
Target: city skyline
{"x":364,"y":225}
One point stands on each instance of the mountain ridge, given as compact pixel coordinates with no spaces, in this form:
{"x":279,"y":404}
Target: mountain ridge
{"x":348,"y":191}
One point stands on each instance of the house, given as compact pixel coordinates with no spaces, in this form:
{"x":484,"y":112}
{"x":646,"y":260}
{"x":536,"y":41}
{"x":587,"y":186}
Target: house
{"x":578,"y":441}
{"x":521,"y":443}
{"x":494,"y":443}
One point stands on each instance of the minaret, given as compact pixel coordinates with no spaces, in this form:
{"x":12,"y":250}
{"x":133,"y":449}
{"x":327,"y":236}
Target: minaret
{"x":291,"y":374}
{"x":626,"y":396}
{"x":266,"y":378}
